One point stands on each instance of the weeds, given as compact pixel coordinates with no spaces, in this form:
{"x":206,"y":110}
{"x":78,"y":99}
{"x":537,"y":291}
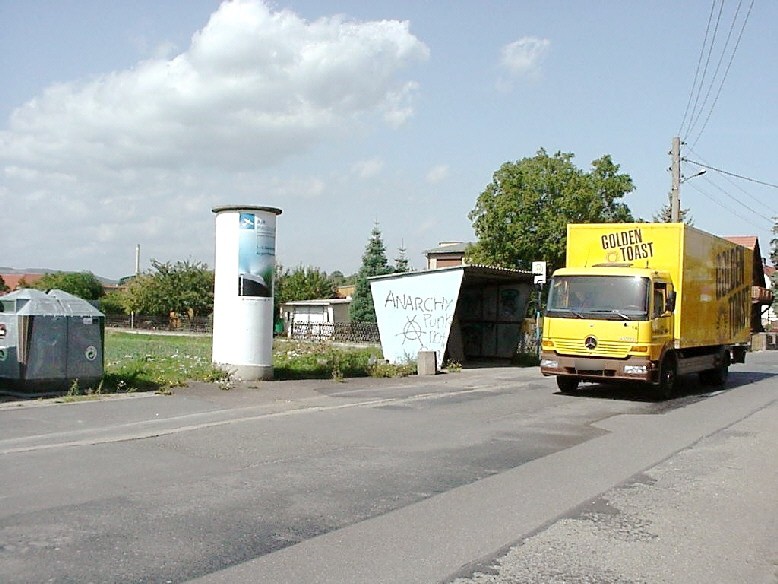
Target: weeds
{"x":452,"y":366}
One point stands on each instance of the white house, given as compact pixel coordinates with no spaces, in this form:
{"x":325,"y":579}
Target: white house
{"x":315,"y":318}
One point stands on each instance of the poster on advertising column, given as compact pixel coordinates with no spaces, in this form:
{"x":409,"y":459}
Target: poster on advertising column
{"x":415,"y":312}
{"x":256,"y":254}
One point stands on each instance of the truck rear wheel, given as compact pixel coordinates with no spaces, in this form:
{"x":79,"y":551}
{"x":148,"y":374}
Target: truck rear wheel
{"x":717,"y":377}
{"x":566,"y":384}
{"x":668,"y":377}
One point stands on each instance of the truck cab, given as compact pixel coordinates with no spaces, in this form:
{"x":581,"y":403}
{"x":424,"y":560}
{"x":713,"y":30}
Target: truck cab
{"x":607,"y":322}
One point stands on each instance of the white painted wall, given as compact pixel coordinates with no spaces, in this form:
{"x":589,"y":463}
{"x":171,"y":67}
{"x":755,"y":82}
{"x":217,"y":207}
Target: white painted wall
{"x":415,"y":312}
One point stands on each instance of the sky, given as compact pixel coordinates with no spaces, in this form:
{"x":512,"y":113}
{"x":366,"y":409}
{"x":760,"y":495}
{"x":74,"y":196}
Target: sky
{"x":126,"y":123}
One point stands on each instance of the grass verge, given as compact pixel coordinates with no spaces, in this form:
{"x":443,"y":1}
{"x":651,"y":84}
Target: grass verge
{"x":158,"y":362}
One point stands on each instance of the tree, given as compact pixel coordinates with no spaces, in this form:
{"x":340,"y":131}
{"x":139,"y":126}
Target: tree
{"x":82,"y":284}
{"x":3,"y":286}
{"x":303,"y":283}
{"x":185,"y":288}
{"x":337,"y":278}
{"x":112,"y":303}
{"x":774,"y":243}
{"x":665,"y":215}
{"x":522,"y":215}
{"x":401,"y":263}
{"x":374,"y":263}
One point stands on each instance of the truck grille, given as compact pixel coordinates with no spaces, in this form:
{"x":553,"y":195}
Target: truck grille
{"x":604,"y":349}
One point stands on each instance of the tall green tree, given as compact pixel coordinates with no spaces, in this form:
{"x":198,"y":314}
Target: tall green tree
{"x":522,"y":215}
{"x":3,"y":286}
{"x":374,"y":263}
{"x":82,"y":284}
{"x":184,"y":287}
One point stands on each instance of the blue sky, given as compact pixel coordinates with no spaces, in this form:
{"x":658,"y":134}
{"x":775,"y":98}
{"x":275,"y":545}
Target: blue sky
{"x":125,"y":123}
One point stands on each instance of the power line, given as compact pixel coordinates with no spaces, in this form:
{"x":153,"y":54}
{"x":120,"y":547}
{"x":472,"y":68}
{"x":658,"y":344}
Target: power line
{"x":726,"y":71}
{"x":697,"y":71}
{"x":696,"y":115}
{"x":740,"y":176}
{"x":739,"y":202}
{"x":698,"y":90}
{"x":725,"y":207}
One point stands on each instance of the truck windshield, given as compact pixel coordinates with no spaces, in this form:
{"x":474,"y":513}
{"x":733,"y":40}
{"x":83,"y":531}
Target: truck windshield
{"x":598,"y":297}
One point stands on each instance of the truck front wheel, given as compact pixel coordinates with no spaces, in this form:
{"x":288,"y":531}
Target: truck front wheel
{"x":668,"y":377}
{"x":566,"y":384}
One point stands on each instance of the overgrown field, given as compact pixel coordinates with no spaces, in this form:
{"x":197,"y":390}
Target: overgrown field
{"x":148,"y":362}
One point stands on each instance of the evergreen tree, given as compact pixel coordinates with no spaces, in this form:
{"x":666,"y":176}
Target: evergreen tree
{"x":401,"y":264}
{"x":665,"y":215}
{"x":374,"y":263}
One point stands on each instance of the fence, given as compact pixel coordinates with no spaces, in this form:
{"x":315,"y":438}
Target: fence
{"x":199,"y":324}
{"x":343,"y":332}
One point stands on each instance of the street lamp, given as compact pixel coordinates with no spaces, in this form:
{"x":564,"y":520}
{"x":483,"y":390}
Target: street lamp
{"x":700,"y":172}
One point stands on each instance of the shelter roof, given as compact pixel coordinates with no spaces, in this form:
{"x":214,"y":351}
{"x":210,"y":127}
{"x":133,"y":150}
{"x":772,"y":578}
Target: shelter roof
{"x":471,"y":274}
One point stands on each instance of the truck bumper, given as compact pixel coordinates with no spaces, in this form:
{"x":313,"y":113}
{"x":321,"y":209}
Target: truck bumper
{"x":599,"y":368}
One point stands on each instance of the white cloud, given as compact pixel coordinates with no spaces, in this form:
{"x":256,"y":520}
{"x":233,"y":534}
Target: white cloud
{"x":368,"y":168}
{"x":170,"y":136}
{"x":524,"y":55}
{"x":437,"y":174}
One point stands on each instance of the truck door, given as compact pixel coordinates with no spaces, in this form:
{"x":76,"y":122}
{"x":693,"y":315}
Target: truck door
{"x":661,"y":316}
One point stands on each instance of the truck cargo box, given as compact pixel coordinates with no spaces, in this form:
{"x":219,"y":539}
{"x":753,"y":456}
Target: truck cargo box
{"x":712,"y":276}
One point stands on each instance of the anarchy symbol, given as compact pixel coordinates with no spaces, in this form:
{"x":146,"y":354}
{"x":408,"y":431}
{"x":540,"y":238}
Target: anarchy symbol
{"x":412,"y":331}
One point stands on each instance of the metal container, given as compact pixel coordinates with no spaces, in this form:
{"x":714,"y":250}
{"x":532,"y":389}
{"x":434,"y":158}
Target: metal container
{"x":49,"y":340}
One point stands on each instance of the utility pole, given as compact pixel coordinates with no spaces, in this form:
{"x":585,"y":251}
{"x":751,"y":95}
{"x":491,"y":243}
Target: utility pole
{"x":675,"y":171}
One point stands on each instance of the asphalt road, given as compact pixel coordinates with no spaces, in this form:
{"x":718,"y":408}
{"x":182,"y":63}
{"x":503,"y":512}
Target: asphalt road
{"x":412,"y":480}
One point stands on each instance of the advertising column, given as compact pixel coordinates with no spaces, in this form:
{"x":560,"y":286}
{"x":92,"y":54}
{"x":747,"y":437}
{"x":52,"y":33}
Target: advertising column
{"x":243,"y":290}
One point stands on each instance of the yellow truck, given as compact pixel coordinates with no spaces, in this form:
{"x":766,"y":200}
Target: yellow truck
{"x":646,"y":302}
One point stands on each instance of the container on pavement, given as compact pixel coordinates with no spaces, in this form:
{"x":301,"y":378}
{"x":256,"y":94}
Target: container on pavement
{"x":243,"y":290}
{"x":48,"y":340}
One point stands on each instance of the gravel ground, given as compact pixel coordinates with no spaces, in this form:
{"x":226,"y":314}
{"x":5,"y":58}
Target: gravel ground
{"x":708,"y":514}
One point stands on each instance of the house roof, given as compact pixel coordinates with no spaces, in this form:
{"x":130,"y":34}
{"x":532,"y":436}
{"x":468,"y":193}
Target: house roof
{"x":12,"y":280}
{"x":749,"y":241}
{"x":318,"y":302}
{"x":448,"y":247}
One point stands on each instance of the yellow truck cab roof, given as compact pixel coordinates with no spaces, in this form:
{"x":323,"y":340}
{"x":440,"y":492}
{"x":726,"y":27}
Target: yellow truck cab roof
{"x":612,"y":270}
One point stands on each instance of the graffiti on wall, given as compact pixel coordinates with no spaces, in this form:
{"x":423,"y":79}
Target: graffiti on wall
{"x":415,"y":313}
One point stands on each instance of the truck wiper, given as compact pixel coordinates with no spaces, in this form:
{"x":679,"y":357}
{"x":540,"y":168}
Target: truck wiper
{"x":614,"y":311}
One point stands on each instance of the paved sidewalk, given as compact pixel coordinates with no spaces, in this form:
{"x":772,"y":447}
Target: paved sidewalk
{"x":706,"y":515}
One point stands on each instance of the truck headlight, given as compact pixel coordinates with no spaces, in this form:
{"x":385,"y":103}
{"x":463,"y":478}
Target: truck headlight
{"x":549,"y":363}
{"x":635,"y":369}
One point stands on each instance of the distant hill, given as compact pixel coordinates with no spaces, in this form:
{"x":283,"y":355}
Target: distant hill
{"x":18,"y":271}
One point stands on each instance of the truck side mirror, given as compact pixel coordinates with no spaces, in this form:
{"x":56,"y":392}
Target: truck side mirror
{"x":671,"y":301}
